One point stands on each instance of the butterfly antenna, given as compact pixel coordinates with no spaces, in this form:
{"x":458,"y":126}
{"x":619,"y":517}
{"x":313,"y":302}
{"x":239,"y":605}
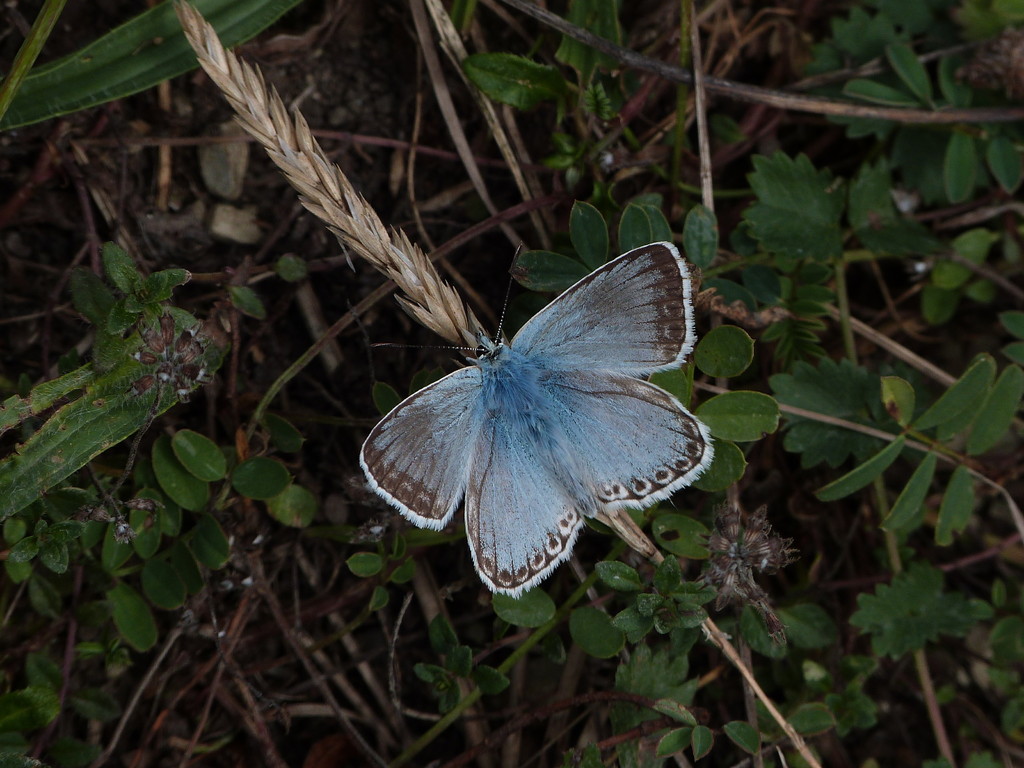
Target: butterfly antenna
{"x":508,"y":291}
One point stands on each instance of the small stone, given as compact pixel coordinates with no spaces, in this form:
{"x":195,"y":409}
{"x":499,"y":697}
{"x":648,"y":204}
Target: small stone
{"x":223,"y":166}
{"x":234,"y":224}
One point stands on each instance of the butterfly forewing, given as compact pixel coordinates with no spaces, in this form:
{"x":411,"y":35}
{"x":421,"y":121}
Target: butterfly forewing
{"x":634,"y":315}
{"x":418,"y":457}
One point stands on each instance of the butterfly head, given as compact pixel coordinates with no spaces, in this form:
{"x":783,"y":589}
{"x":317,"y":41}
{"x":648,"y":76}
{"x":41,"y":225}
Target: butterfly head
{"x":487,"y":348}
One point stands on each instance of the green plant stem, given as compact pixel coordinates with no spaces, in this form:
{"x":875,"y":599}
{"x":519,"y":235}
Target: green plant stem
{"x":843,"y":300}
{"x":470,"y":699}
{"x":924,"y":675}
{"x":29,"y":52}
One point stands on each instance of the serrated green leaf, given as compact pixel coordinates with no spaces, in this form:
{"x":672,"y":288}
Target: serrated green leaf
{"x":514,"y":80}
{"x":873,"y":215}
{"x":914,"y":610}
{"x":957,"y":506}
{"x":28,"y":709}
{"x":91,"y":296}
{"x":199,"y":455}
{"x":133,"y":57}
{"x":906,"y":513}
{"x":700,"y":236}
{"x":132,"y":617}
{"x":997,"y":412}
{"x":260,"y":478}
{"x":727,"y":466}
{"x":592,"y":630}
{"x":740,"y":416}
{"x":862,"y":475}
{"x":531,"y":609}
{"x":120,"y":268}
{"x":798,"y":208}
{"x":160,"y":285}
{"x":965,"y":392}
{"x":911,"y":71}
{"x":247,"y":301}
{"x":547,"y":271}
{"x":589,"y":234}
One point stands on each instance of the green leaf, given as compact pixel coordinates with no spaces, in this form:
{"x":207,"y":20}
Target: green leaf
{"x":808,"y":626}
{"x":911,"y":71}
{"x":291,"y":268}
{"x":701,"y":740}
{"x":960,"y":167}
{"x":94,"y":704}
{"x":743,"y":735}
{"x":862,"y":475}
{"x":247,"y":301}
{"x":28,"y":709}
{"x":132,"y":617}
{"x":120,"y":268}
{"x":184,"y":488}
{"x":875,"y":220}
{"x":965,"y":393}
{"x":514,"y":80}
{"x":724,"y":351}
{"x":490,"y":680}
{"x":1004,"y":161}
{"x":40,"y":669}
{"x":589,"y":234}
{"x":209,"y":544}
{"x":997,"y":412}
{"x":642,"y":224}
{"x":385,"y":397}
{"x":547,"y":271}
{"x":898,"y":399}
{"x":531,"y":609}
{"x":619,"y":576}
{"x":811,"y":719}
{"x":681,"y":535}
{"x":260,"y":478}
{"x":878,"y":93}
{"x":740,"y":416}
{"x":162,"y":585}
{"x":727,"y":466}
{"x":283,"y":434}
{"x":957,"y":506}
{"x":1013,"y":321}
{"x":185,"y":565}
{"x":91,"y":296}
{"x":700,"y":236}
{"x":674,"y":742}
{"x":599,"y":17}
{"x":199,"y":455}
{"x":591,"y":629}
{"x":906,"y":513}
{"x":72,"y":753}
{"x":294,"y":506}
{"x":365,"y":564}
{"x":441,"y":635}
{"x":914,"y":610}
{"x":675,"y":710}
{"x":798,"y":208}
{"x":133,"y":57}
{"x":763,"y":283}
{"x":160,"y":285}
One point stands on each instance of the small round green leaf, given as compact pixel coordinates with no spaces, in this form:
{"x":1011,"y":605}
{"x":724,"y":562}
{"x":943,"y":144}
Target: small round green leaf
{"x":378,"y":598}
{"x":530,"y":609}
{"x":743,"y":735}
{"x":385,"y":397}
{"x":283,"y":433}
{"x":294,"y":506}
{"x":726,"y":468}
{"x":812,"y":718}
{"x":681,"y":535}
{"x":701,"y":740}
{"x":547,"y":271}
{"x":199,"y":455}
{"x":619,"y":576}
{"x":589,"y":234}
{"x":592,"y":630}
{"x":260,"y":478}
{"x":740,"y":416}
{"x":209,"y":544}
{"x":182,"y":486}
{"x":365,"y":564}
{"x":700,"y":236}
{"x":147,"y":532}
{"x":246,"y":301}
{"x":28,"y":709}
{"x":132,"y":617}
{"x":162,"y":585}
{"x":724,"y":351}
{"x":808,"y":625}
{"x":960,"y":168}
{"x":898,"y":398}
{"x":1004,"y":160}
{"x":291,"y":268}
{"x":674,"y":741}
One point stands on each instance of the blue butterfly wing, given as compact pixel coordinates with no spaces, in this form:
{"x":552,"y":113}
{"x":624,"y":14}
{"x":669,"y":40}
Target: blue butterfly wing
{"x":522,"y":507}
{"x":633,"y":442}
{"x":418,"y":457}
{"x":634,"y":315}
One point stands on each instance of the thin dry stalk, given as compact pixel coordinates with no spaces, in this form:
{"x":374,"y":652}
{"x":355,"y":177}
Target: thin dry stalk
{"x":324,"y":190}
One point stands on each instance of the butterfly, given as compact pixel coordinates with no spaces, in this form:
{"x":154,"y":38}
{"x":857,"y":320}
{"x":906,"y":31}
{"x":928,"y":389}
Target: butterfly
{"x":557,"y":425}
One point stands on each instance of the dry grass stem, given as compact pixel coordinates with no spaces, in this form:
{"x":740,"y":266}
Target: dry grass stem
{"x":324,"y":190}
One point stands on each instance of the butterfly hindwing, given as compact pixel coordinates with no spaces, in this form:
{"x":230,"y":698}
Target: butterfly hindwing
{"x":634,"y":316}
{"x":418,"y":457}
{"x":634,"y":441}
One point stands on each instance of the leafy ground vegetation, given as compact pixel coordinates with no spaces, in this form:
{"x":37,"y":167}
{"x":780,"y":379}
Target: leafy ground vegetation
{"x":195,"y":572}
